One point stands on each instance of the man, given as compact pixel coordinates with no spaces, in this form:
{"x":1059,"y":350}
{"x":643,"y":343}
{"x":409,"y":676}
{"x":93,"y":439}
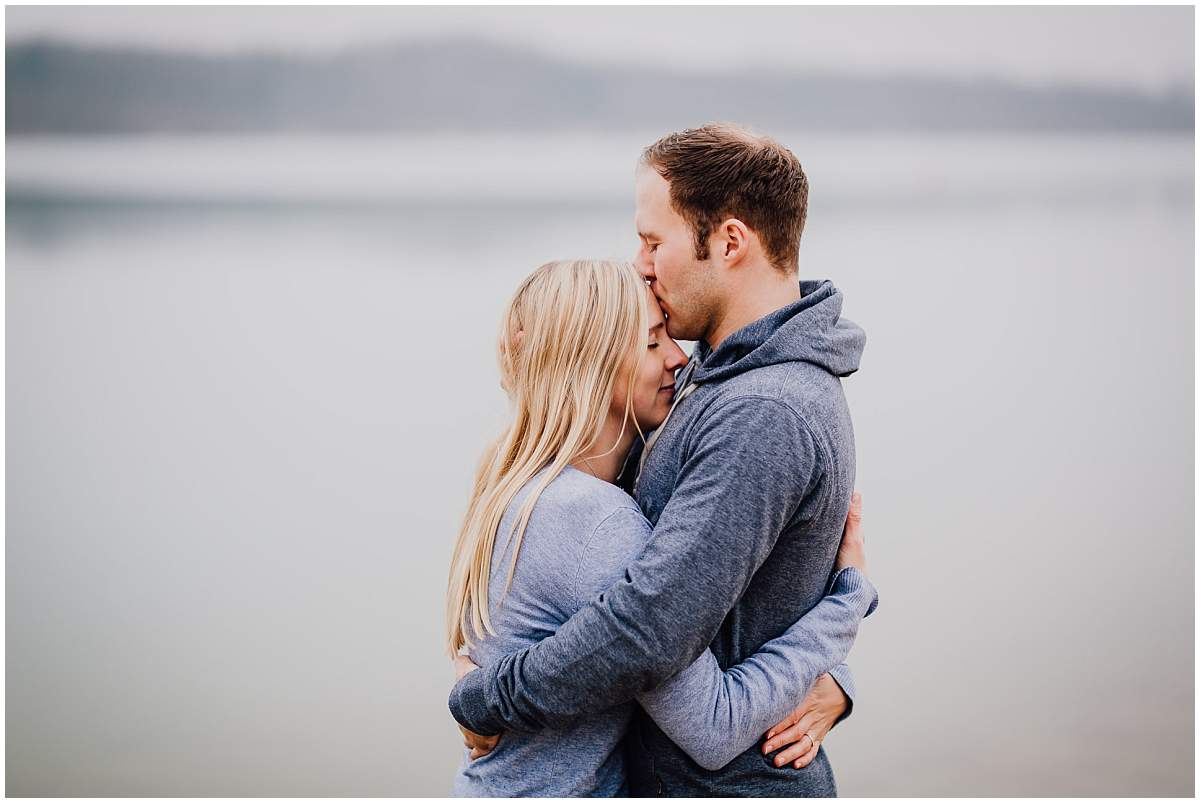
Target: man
{"x":747,"y":483}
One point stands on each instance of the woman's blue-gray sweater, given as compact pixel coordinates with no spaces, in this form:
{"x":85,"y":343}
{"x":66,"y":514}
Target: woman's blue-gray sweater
{"x":581,"y":536}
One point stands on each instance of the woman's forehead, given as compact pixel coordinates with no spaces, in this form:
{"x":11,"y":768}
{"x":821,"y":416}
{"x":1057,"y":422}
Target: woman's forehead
{"x":656,"y":313}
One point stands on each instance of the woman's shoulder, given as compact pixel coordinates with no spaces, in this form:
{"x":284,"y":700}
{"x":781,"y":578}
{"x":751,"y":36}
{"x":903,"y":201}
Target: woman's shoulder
{"x":587,"y":500}
{"x":582,"y":532}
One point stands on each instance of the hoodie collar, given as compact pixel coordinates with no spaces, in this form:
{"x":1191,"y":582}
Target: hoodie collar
{"x":809,"y":330}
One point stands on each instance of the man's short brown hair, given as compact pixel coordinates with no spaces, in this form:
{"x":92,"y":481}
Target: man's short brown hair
{"x":719,"y":171}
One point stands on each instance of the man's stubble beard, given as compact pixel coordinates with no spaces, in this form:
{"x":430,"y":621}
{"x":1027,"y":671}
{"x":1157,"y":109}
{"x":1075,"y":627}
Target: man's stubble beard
{"x":703,"y":311}
{"x":691,"y":327}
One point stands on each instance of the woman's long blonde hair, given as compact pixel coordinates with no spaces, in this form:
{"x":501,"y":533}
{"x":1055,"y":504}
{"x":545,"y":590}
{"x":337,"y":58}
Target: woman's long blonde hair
{"x":569,"y":330}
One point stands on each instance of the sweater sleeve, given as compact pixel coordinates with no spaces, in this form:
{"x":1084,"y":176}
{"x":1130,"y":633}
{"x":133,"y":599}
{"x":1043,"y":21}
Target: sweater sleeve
{"x":715,"y":715}
{"x":845,"y":679}
{"x":733,"y":497}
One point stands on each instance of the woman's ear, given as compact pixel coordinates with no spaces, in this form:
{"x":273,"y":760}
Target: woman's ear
{"x":509,"y":350}
{"x":511,"y":346}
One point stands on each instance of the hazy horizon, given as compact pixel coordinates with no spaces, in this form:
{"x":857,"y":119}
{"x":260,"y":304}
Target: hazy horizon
{"x":1144,"y":48}
{"x":468,"y":85}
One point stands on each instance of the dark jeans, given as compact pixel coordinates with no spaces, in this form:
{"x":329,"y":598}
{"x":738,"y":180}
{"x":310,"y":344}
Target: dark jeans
{"x":657,"y":768}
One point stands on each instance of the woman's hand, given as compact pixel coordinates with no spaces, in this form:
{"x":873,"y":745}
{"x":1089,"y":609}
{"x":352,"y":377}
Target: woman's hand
{"x":803,"y":730}
{"x":480,"y":745}
{"x":463,"y":665}
{"x":852,"y":551}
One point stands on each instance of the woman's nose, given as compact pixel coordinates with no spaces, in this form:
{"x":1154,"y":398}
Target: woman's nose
{"x":677,"y":359}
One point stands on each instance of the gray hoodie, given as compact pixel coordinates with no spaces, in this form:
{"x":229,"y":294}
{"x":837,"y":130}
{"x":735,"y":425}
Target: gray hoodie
{"x":747,"y":486}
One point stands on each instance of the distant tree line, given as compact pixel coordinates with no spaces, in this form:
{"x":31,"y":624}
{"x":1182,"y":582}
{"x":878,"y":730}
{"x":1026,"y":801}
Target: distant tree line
{"x":470,"y":85}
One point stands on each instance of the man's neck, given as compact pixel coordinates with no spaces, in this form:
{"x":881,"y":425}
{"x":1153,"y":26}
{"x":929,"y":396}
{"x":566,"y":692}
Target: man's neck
{"x":757,"y":300}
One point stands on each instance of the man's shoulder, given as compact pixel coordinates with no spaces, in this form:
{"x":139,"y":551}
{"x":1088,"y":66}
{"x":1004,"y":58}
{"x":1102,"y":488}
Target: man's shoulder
{"x":798,"y":388}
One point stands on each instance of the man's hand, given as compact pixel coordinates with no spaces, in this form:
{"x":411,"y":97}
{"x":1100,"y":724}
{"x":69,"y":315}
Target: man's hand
{"x":804,"y":729}
{"x":480,"y":745}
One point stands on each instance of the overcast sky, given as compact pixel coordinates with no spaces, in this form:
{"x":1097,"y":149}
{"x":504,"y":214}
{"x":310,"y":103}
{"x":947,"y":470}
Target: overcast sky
{"x":1144,"y":47}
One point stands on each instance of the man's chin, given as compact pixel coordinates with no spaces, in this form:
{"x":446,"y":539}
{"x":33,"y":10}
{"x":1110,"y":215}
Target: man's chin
{"x":678,"y":331}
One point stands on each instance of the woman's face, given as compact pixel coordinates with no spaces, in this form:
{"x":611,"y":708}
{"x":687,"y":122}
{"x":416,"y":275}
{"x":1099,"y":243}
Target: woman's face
{"x":654,"y":381}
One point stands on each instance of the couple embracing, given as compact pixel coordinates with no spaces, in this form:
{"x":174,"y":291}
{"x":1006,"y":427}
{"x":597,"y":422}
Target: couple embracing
{"x":660,"y":573}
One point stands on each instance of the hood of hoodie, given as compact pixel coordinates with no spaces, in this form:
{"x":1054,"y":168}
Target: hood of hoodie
{"x":810,"y":330}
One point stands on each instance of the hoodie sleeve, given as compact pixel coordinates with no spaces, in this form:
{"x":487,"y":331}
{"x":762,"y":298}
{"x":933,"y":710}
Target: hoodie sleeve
{"x":715,"y":715}
{"x":734,"y":495}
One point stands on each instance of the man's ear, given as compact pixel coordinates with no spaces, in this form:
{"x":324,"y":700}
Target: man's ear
{"x":733,"y":240}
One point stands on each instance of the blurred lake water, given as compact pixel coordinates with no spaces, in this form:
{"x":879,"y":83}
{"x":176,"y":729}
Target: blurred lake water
{"x":248,"y":380}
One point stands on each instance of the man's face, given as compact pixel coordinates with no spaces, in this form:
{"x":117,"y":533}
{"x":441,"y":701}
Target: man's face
{"x":683,"y":285}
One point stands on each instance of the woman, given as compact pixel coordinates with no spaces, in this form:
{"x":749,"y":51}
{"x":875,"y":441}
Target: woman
{"x":586,"y":361}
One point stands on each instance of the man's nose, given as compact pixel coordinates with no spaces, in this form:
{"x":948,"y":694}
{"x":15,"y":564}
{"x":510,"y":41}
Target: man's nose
{"x":644,"y":263}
